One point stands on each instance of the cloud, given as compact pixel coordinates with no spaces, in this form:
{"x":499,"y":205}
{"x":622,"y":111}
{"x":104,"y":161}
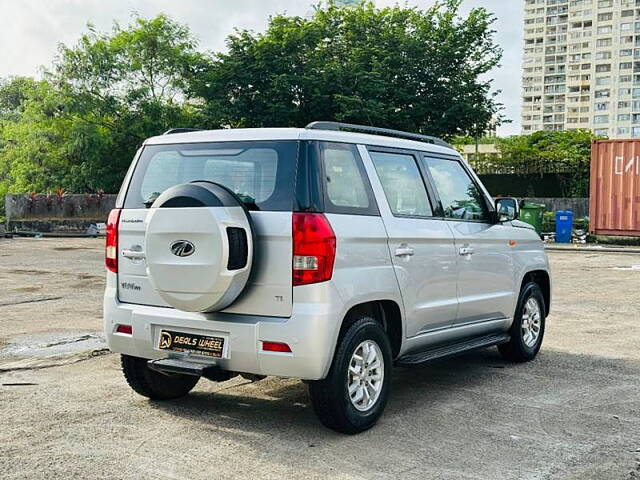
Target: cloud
{"x":30,"y":30}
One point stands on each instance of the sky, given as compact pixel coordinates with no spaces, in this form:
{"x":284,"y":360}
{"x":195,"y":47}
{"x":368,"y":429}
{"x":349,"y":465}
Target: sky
{"x":30,"y":30}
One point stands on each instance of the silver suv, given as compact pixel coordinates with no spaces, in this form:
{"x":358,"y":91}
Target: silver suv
{"x":329,"y":253}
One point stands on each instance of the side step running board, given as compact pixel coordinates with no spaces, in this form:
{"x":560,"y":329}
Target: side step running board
{"x":177,"y":366}
{"x":434,"y":353}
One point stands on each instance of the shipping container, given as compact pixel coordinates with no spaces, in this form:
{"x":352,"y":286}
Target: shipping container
{"x":614,"y":203}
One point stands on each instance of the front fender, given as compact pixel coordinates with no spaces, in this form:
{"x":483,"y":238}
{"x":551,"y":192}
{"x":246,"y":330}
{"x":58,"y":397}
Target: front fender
{"x":528,"y":256}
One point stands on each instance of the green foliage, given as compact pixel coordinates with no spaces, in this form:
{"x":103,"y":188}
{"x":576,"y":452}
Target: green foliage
{"x":13,"y":93}
{"x":397,"y":67}
{"x":550,"y":152}
{"x":79,"y":127}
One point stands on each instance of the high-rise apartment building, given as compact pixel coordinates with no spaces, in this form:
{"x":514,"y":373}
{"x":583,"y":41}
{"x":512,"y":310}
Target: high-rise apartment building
{"x":582,"y":66}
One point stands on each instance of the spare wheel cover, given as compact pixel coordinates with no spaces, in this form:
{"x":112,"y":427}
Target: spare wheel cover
{"x":198,"y":246}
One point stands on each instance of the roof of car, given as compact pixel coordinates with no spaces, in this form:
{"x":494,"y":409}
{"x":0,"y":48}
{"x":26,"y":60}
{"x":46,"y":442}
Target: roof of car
{"x":257,"y":134}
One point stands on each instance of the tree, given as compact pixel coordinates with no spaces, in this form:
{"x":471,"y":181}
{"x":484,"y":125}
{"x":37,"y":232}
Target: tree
{"x":395,"y":67}
{"x":551,"y":152}
{"x":79,"y":128}
{"x":150,"y":61}
{"x":13,"y":94}
{"x":125,"y":86}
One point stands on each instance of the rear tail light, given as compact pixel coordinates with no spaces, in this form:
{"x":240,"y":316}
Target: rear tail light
{"x":111,"y":248}
{"x":314,"y":248}
{"x":276,"y":347}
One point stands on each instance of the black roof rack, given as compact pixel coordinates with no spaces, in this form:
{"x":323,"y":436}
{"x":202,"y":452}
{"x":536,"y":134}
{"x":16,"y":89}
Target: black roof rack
{"x":376,"y":131}
{"x":181,"y":130}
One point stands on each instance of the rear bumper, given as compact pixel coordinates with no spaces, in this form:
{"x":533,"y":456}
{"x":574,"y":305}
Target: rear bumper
{"x":311,"y":332}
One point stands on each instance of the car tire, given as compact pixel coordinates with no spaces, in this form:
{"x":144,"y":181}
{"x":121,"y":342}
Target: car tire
{"x":335,"y":406}
{"x":155,"y":385}
{"x":527,"y":330}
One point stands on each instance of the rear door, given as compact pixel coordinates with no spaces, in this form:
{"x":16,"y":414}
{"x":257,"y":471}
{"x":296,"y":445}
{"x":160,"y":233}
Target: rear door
{"x":421,"y":245}
{"x":484,"y":261}
{"x":261,"y":173}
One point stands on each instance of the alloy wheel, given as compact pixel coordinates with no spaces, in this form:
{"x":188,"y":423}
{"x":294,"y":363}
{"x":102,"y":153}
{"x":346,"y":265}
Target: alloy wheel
{"x":365,"y":376}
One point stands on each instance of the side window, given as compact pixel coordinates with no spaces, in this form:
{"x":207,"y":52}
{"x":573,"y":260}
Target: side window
{"x":460,"y":196}
{"x":347,"y":189}
{"x":402,"y":184}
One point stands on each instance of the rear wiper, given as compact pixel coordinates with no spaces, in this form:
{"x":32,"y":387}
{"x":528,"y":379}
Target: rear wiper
{"x":152,"y":198}
{"x":248,"y":201}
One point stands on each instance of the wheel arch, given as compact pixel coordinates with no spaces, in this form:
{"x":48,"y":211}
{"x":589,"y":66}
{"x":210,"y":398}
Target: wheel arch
{"x":385,"y":311}
{"x":542,"y":278}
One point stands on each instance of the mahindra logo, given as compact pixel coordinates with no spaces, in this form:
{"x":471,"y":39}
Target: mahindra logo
{"x":182,"y":248}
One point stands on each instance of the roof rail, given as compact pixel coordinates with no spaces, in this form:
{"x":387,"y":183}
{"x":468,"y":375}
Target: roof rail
{"x":181,"y":130}
{"x":377,"y":131}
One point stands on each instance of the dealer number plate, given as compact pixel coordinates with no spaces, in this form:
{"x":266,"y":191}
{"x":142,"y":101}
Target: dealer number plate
{"x":193,"y":343}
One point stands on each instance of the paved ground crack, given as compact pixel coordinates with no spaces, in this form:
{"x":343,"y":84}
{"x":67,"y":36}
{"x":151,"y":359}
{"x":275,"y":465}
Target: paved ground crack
{"x":81,"y":338}
{"x":33,"y":300}
{"x":41,"y":363}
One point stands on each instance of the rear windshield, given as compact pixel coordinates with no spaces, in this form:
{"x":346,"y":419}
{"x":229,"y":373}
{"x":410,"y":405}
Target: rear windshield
{"x":260,"y":173}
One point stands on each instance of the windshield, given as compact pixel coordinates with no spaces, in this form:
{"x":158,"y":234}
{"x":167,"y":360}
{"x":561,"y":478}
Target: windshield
{"x":260,"y":173}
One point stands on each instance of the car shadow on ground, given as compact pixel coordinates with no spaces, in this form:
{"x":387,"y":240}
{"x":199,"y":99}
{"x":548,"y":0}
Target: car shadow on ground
{"x":282,"y":407}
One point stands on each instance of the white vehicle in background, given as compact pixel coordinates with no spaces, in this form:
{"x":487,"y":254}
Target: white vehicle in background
{"x":329,"y":253}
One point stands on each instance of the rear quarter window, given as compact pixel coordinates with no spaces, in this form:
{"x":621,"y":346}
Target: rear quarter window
{"x":262,"y":174}
{"x":344,"y":180}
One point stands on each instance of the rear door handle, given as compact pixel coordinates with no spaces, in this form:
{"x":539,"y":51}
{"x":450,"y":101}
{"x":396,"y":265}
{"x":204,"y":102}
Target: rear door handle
{"x":133,"y":254}
{"x":466,"y":251}
{"x":404,"y":251}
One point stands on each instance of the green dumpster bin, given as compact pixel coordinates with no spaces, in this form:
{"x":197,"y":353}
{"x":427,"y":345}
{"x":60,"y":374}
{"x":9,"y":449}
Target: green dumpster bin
{"x":532,"y":213}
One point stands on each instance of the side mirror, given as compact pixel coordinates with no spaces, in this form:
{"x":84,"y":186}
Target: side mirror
{"x":507,"y":209}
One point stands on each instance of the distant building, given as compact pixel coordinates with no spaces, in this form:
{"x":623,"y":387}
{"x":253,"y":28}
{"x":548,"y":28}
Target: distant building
{"x":486,"y":151}
{"x":347,"y":2}
{"x":582,"y":66}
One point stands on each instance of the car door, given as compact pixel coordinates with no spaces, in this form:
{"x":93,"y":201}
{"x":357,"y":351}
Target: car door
{"x":484,"y":261}
{"x":421,"y":246}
